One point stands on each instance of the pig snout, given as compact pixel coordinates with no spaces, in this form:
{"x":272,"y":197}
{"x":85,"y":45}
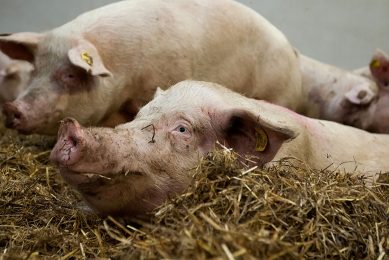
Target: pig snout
{"x":15,"y":116}
{"x":70,"y":143}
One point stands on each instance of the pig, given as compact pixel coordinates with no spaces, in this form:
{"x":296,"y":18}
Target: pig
{"x":14,"y":77}
{"x":102,"y":66}
{"x":129,"y":170}
{"x":359,"y":99}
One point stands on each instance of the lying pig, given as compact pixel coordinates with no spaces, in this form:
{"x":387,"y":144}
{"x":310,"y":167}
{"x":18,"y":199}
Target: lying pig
{"x":108,"y":62}
{"x":347,"y":97}
{"x":14,"y":77}
{"x":133,"y":168}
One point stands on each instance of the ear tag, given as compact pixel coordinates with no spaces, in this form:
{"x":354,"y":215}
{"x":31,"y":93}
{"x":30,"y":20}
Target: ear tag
{"x":87,"y":58}
{"x":375,"y":64}
{"x":261,"y":140}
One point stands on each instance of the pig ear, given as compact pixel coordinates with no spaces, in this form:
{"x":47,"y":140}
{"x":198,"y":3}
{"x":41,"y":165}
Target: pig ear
{"x":379,"y":67}
{"x":12,"y":69}
{"x":86,"y":56}
{"x":20,"y":46}
{"x":360,"y":94}
{"x":158,"y":92}
{"x":248,"y":134}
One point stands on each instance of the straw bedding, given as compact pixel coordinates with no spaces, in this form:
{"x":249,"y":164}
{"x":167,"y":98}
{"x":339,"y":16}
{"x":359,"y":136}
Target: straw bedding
{"x":229,"y":212}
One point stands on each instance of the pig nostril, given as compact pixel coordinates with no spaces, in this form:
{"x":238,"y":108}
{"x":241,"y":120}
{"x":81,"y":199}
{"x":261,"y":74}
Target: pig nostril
{"x":17,"y":115}
{"x":73,"y":140}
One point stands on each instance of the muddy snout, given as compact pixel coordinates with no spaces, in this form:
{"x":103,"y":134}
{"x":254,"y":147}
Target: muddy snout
{"x":71,"y":141}
{"x":15,"y":115}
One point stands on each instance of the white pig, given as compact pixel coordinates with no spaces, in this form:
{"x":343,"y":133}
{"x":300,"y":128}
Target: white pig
{"x":130,"y":170}
{"x":14,"y":77}
{"x":109,"y":61}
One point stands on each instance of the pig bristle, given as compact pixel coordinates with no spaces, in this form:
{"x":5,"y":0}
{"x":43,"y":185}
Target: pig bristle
{"x":231,"y":210}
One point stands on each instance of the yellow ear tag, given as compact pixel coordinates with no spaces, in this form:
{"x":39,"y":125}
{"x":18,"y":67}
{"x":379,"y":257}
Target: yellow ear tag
{"x":375,"y":63}
{"x":88,"y":59}
{"x":261,"y":140}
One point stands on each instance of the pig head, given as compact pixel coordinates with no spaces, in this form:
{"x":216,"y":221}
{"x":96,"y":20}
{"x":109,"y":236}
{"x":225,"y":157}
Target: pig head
{"x":14,"y":77}
{"x":130,"y":170}
{"x":63,"y":84}
{"x":359,"y":98}
{"x":378,"y":106}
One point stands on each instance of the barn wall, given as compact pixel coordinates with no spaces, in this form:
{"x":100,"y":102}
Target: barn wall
{"x":341,"y":32}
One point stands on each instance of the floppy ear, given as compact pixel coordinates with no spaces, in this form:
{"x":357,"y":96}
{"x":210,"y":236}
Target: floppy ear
{"x":379,"y":67}
{"x":360,"y":94}
{"x":248,"y":134}
{"x":11,"y":69}
{"x":158,"y":92}
{"x":86,"y":56}
{"x":20,"y":46}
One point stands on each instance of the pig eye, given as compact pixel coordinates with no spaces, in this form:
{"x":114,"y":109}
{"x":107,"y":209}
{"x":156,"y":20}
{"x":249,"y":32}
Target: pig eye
{"x":182,"y":130}
{"x":73,"y":79}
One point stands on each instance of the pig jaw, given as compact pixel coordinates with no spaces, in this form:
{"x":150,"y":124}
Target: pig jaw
{"x":110,"y":172}
{"x":21,"y":117}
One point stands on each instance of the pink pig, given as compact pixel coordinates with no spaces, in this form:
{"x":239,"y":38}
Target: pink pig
{"x":133,"y":168}
{"x":102,"y":66}
{"x":14,"y":77}
{"x":359,"y":99}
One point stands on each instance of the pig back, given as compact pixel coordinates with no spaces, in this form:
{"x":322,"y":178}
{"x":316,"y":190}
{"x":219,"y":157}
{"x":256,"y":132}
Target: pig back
{"x":150,"y":43}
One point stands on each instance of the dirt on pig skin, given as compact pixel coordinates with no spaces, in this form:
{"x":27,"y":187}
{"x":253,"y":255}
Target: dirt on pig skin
{"x":114,"y":176}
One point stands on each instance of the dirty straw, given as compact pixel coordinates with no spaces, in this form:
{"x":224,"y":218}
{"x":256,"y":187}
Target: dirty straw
{"x":230,"y":212}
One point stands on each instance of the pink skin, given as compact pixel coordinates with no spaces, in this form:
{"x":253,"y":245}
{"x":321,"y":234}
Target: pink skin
{"x":113,"y":172}
{"x":130,"y":170}
{"x":47,"y":99}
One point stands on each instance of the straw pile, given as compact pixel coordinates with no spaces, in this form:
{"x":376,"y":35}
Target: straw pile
{"x":229,"y":212}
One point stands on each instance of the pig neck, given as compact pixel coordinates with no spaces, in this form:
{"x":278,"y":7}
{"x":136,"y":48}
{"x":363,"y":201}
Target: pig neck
{"x":324,"y":87}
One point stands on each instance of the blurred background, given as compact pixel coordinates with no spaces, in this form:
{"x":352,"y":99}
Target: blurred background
{"x":340,"y":32}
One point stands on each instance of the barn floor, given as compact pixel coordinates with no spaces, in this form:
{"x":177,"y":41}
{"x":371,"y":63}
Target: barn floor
{"x":229,"y":212}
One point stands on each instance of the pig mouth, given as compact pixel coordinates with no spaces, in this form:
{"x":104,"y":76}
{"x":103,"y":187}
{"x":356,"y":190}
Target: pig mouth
{"x":76,"y":178}
{"x":21,"y":117}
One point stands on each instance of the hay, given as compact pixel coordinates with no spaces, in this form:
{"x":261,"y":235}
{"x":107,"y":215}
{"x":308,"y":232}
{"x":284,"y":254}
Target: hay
{"x":229,"y":212}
